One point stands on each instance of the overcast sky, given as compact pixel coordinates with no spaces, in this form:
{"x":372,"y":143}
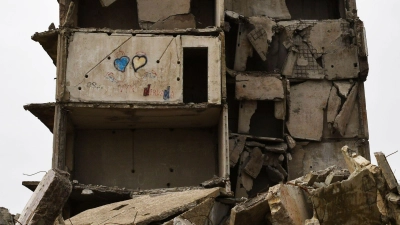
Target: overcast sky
{"x":26,"y":144}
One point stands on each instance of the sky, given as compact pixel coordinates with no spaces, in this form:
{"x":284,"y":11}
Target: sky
{"x":26,"y":144}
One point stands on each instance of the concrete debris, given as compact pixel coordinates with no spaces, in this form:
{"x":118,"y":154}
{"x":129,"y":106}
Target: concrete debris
{"x":342,"y":119}
{"x":149,"y":10}
{"x":48,"y":199}
{"x":306,"y":109}
{"x":236,"y":149}
{"x":290,"y":141}
{"x":387,"y":172}
{"x":250,"y":87}
{"x":253,"y":211}
{"x":106,"y":3}
{"x":214,"y":182}
{"x":276,"y":9}
{"x":246,"y":111}
{"x":277,"y":148}
{"x":334,"y":104}
{"x":254,"y":165}
{"x":343,"y":87}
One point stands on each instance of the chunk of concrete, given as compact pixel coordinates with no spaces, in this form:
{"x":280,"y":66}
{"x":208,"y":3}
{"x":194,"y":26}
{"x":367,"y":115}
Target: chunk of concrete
{"x":250,"y":87}
{"x":275,"y":9}
{"x":288,"y":205}
{"x":246,"y":111}
{"x":255,"y":144}
{"x":312,"y":221}
{"x":234,"y":155}
{"x":149,"y":10}
{"x":253,"y":167}
{"x":337,"y":68}
{"x":274,"y":175}
{"x":197,"y":215}
{"x":342,"y":119}
{"x":307,"y":104}
{"x":276,"y":148}
{"x":290,"y":141}
{"x":252,"y":211}
{"x":336,"y":176}
{"x":184,"y":21}
{"x":243,"y":48}
{"x":48,"y":199}
{"x":261,"y":35}
{"x":354,"y":161}
{"x":290,"y":62}
{"x":352,"y":201}
{"x":343,"y":87}
{"x":280,"y":110}
{"x":334,"y":104}
{"x":393,"y":198}
{"x":145,"y":209}
{"x":387,"y":172}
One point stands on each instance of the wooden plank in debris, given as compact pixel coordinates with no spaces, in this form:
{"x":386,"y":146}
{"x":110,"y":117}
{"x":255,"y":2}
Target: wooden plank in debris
{"x":259,"y":88}
{"x":47,"y":200}
{"x":253,"y":167}
{"x":387,"y":171}
{"x":237,"y":150}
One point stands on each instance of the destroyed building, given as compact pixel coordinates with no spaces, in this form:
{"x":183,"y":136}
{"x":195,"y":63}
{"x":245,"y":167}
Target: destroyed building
{"x":154,"y":94}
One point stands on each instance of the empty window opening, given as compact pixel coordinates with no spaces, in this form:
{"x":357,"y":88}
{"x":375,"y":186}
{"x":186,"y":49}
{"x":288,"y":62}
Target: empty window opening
{"x":195,"y":75}
{"x":315,"y":9}
{"x":263,"y":122}
{"x":122,"y":14}
{"x":204,"y":11}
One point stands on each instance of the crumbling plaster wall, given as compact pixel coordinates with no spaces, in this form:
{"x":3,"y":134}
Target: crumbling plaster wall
{"x":321,"y":62}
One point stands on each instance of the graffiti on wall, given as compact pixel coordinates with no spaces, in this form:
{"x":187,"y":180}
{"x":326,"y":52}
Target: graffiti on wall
{"x":139,"y":61}
{"x":121,"y":63}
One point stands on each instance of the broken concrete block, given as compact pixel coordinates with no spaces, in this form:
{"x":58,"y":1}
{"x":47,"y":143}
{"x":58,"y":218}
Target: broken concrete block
{"x":344,"y":115}
{"x":280,"y":110}
{"x":219,"y":213}
{"x":351,"y":201}
{"x":214,"y":182}
{"x":343,"y":87}
{"x":387,"y":172}
{"x":337,"y":68}
{"x":290,"y":141}
{"x":246,"y":181}
{"x":149,"y":10}
{"x":48,"y":199}
{"x":179,"y":221}
{"x":275,"y":9}
{"x":255,"y":163}
{"x":354,"y":161}
{"x":243,"y":49}
{"x":250,"y":87}
{"x":246,"y":111}
{"x":106,"y":3}
{"x":197,"y":215}
{"x":276,"y":148}
{"x":336,"y":176}
{"x":290,"y":62}
{"x":252,"y":211}
{"x":288,"y":205}
{"x":334,"y":104}
{"x":310,"y":178}
{"x":306,"y":110}
{"x":184,"y":21}
{"x":234,"y":156}
{"x":145,"y":209}
{"x":289,"y":156}
{"x":261,"y":35}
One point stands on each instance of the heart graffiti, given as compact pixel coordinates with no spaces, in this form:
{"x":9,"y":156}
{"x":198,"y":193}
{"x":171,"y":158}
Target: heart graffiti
{"x":138,"y":62}
{"x":121,"y":63}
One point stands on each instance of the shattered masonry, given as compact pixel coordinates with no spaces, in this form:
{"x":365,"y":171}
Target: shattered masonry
{"x":154,"y":97}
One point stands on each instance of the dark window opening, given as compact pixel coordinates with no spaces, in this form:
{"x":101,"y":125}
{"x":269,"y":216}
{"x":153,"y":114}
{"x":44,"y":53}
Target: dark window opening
{"x":122,"y":14}
{"x":315,"y":9}
{"x":263,"y":122}
{"x":204,"y":11}
{"x":195,"y":75}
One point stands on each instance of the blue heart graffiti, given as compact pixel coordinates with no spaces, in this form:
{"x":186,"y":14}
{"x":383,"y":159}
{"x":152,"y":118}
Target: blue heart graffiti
{"x":121,"y":63}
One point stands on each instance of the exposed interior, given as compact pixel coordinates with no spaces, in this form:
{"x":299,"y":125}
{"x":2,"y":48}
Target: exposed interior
{"x":195,"y":75}
{"x":315,"y":9}
{"x":123,"y":14}
{"x":263,"y":122}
